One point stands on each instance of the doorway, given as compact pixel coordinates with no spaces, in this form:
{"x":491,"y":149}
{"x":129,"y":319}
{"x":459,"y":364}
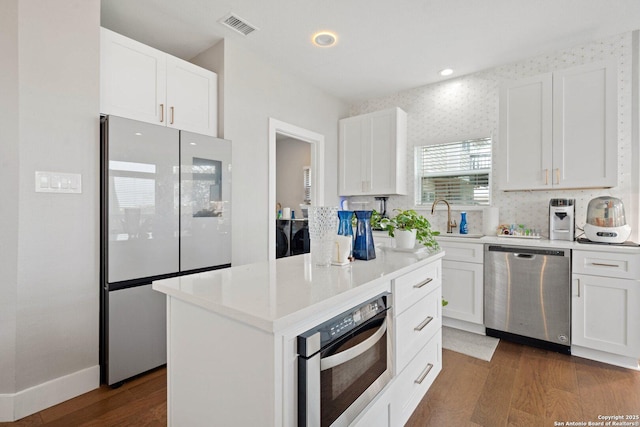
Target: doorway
{"x":280,"y":131}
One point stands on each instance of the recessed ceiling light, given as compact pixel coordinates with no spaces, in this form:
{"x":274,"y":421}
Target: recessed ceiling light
{"x":446,"y":72}
{"x":324,"y":39}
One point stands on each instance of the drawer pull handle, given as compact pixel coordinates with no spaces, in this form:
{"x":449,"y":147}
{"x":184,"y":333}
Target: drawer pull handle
{"x":421,"y":284}
{"x":424,"y":374}
{"x":161,"y":113}
{"x":424,"y":323}
{"x":600,"y":264}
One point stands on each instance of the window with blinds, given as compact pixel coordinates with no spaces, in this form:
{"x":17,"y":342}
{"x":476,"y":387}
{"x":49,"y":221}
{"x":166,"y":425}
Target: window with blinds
{"x":459,"y":172}
{"x":306,"y":182}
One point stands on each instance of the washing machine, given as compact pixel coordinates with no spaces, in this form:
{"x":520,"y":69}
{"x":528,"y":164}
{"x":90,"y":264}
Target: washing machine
{"x":292,"y":237}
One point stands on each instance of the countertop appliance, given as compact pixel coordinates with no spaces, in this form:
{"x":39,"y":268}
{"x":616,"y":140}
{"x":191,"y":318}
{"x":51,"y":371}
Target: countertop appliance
{"x":562,"y":222}
{"x":165,"y":211}
{"x":527,"y":295}
{"x":606,"y":222}
{"x":343,"y":364}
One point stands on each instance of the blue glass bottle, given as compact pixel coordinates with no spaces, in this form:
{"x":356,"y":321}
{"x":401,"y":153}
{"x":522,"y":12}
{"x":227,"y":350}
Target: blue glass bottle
{"x":364,"y":248}
{"x":463,"y":223}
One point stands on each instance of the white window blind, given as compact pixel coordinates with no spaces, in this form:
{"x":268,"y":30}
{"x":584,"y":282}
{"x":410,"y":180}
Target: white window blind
{"x":459,"y":172}
{"x":306,"y":178}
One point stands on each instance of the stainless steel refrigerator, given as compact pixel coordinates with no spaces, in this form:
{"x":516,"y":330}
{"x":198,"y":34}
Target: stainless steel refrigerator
{"x":165,"y":211}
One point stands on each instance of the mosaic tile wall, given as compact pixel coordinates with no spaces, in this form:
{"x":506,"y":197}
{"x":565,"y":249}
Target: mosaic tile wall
{"x":467,"y":107}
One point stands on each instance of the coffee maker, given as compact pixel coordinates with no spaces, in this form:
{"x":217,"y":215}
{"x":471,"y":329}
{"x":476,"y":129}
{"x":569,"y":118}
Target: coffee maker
{"x":562,"y":219}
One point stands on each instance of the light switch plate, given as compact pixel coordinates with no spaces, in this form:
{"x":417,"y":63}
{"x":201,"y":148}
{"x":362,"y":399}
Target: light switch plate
{"x":58,"y":182}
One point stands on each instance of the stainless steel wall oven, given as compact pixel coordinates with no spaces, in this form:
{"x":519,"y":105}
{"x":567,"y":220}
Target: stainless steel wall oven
{"x":343,"y":364}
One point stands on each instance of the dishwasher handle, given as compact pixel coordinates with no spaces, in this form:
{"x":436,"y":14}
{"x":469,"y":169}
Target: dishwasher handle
{"x":524,"y":256}
{"x":521,"y":251}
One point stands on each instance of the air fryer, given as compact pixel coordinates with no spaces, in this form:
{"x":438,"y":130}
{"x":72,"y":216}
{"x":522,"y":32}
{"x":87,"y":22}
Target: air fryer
{"x":606,"y":222}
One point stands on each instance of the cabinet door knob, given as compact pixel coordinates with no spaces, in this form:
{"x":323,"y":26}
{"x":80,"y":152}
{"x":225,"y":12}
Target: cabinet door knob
{"x":161,"y":113}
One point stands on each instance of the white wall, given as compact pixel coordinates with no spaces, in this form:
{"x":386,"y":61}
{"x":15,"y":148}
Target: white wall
{"x":292,"y":155}
{"x":50,"y":254}
{"x":468,"y":107}
{"x":9,"y":133}
{"x":255,"y":91}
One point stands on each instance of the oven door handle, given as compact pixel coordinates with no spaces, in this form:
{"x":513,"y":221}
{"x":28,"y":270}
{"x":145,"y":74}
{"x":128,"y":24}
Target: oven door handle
{"x":355,"y":351}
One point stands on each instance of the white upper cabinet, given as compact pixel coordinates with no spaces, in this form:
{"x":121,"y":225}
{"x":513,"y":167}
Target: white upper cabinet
{"x":585,"y":133}
{"x":372,"y":154}
{"x":559,"y":130}
{"x":142,"y":83}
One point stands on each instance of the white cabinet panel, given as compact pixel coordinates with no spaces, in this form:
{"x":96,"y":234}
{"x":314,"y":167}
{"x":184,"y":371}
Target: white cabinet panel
{"x":559,"y":130}
{"x":462,"y":287}
{"x":463,"y":284}
{"x":372,"y":153}
{"x":145,"y":84}
{"x":525,"y":133}
{"x":411,"y":287}
{"x":416,"y":326}
{"x":414,"y":382}
{"x":378,"y":414}
{"x":351,"y":158}
{"x":465,"y":252}
{"x":132,"y":80}
{"x":607,"y":264}
{"x":191,"y":97}
{"x":605,"y":314}
{"x":584,"y":126}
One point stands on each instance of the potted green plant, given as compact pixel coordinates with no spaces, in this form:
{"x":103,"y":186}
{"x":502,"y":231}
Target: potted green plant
{"x":409,"y":227}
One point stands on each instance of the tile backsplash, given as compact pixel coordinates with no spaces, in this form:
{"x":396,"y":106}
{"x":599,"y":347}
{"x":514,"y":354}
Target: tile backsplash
{"x":468,"y":107}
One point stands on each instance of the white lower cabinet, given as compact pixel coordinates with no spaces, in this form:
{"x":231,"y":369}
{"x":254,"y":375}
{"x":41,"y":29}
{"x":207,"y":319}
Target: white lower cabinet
{"x":605,"y":315}
{"x":378,"y":414}
{"x":463,"y":285}
{"x":414,"y":381}
{"x":418,"y":338}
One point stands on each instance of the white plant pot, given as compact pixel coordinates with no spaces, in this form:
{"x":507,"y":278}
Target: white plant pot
{"x":405,"y":239}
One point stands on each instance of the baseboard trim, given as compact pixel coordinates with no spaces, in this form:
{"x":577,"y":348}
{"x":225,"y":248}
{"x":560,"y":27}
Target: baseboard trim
{"x":604,"y":357}
{"x":463,"y":325}
{"x":29,"y":401}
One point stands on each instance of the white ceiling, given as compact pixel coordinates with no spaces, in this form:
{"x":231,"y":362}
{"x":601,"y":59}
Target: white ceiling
{"x":384,"y":46}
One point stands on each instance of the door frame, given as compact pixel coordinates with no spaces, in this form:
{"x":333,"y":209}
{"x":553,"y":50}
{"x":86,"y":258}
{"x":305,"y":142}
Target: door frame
{"x":316,"y":140}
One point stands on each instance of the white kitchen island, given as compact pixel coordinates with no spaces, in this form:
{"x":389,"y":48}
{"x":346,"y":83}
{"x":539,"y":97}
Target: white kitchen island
{"x":232,"y":354}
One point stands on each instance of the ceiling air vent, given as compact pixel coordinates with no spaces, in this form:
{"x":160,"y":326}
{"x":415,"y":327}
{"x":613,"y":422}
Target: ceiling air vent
{"x":238,"y":24}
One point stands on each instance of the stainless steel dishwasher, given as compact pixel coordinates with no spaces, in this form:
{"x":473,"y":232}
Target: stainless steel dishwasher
{"x":527,"y":295}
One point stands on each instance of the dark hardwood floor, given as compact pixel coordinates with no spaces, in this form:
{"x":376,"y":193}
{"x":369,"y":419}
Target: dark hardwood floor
{"x":521,"y":386}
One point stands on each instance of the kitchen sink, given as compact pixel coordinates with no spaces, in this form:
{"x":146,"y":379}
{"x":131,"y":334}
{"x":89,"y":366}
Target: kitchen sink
{"x":463,"y":236}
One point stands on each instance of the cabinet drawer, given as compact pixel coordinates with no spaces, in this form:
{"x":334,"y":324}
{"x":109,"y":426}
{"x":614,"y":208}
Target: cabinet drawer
{"x":607,"y":264}
{"x":465,"y":252}
{"x":416,"y":326}
{"x":412,"y":286}
{"x":412,"y":384}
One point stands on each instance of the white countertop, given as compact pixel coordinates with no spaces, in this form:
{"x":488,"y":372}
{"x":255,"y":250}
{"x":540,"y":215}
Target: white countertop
{"x":277,"y":294}
{"x":523,"y":241}
{"x":542,"y":242}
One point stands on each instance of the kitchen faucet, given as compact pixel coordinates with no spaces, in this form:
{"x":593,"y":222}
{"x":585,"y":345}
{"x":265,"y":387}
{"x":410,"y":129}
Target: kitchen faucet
{"x":450,"y":224}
